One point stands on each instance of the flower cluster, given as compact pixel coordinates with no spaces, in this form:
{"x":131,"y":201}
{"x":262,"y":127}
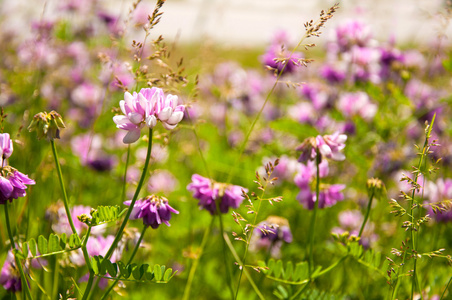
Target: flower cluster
{"x":329,"y":146}
{"x":208,"y":192}
{"x":154,"y":210}
{"x":350,"y":221}
{"x":271,"y":234}
{"x":145,"y":109}
{"x":12,"y":182}
{"x":329,"y":194}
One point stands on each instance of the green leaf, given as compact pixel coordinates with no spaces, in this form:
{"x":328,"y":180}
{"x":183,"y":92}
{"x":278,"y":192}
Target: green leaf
{"x":54,"y":243}
{"x":278,"y":268}
{"x":104,"y":214}
{"x":25,"y":249}
{"x":289,"y":270}
{"x":271,"y":266}
{"x":123,"y":270}
{"x":42,"y":245}
{"x":157,"y":272}
{"x":149,"y":275}
{"x":32,"y":246}
{"x":301,"y":271}
{"x":168,"y":274}
{"x":112,"y":268}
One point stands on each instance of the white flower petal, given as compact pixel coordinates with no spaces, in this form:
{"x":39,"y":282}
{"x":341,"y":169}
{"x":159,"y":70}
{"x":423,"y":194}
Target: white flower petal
{"x":176,"y":117}
{"x":165,"y":114}
{"x":131,"y":137}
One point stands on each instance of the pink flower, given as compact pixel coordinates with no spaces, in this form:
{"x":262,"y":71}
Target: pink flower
{"x":6,"y":147}
{"x":331,"y":145}
{"x":358,"y":103}
{"x":145,"y":109}
{"x":13,"y":185}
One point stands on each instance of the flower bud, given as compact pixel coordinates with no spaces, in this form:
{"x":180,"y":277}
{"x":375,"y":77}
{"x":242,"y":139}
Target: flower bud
{"x":47,"y":124}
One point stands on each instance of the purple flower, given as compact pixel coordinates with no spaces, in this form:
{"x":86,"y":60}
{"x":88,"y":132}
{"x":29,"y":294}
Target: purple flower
{"x":6,"y":147}
{"x":439,"y":191}
{"x":162,"y":181}
{"x":13,"y":184}
{"x":351,"y":33}
{"x":207,"y":192}
{"x":10,"y":276}
{"x":332,"y":75}
{"x":270,"y":234}
{"x":154,"y":210}
{"x":328,"y":194}
{"x":275,"y":52}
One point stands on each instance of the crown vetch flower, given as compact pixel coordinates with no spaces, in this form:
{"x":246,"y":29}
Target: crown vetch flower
{"x":6,"y":147}
{"x":10,"y":276}
{"x":145,"y":109}
{"x":13,"y":184}
{"x":167,"y":109}
{"x":47,"y":124}
{"x":154,"y":210}
{"x":271,"y":234}
{"x":329,"y":146}
{"x":207,"y":192}
{"x":138,"y":112}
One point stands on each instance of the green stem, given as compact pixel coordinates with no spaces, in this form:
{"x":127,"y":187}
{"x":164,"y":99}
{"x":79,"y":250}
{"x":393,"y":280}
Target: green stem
{"x":371,"y":197}
{"x":124,"y":183}
{"x":56,"y":278}
{"x":194,"y":266}
{"x":236,"y":256}
{"x":445,"y":290}
{"x":135,"y":197}
{"x":225,"y":258}
{"x":314,"y":215}
{"x":245,"y":141}
{"x":135,"y":250}
{"x":63,"y":189}
{"x":16,"y":259}
{"x":89,"y":265}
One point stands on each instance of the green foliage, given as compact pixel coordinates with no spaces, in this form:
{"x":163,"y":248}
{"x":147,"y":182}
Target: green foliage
{"x":53,"y":245}
{"x":105,"y":214}
{"x":132,"y":272}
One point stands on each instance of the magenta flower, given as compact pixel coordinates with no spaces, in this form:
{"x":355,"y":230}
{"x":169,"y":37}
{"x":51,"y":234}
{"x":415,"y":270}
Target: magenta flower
{"x":13,"y":184}
{"x":271,"y":234}
{"x":328,"y":195}
{"x":154,"y":210}
{"x":10,"y":276}
{"x":207,"y":192}
{"x":6,"y":147}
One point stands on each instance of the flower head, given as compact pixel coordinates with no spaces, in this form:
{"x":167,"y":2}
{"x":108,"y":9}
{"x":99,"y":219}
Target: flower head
{"x":154,"y":210}
{"x":145,"y":109}
{"x":208,"y":192}
{"x":270,"y":234}
{"x":10,"y":276}
{"x":47,"y":124}
{"x":6,"y":147}
{"x":13,"y":184}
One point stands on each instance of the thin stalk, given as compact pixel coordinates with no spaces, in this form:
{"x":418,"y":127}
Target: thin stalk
{"x":249,"y":238}
{"x":89,"y":265}
{"x":314,"y":215}
{"x":63,"y":189}
{"x":245,"y":141}
{"x":371,"y":197}
{"x":236,"y":256}
{"x":135,"y":250}
{"x":447,"y":286}
{"x":191,"y":276}
{"x":124,"y":182}
{"x":413,"y":242}
{"x":56,"y":279}
{"x":134,"y":199}
{"x":225,"y":258}
{"x":16,"y":259}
